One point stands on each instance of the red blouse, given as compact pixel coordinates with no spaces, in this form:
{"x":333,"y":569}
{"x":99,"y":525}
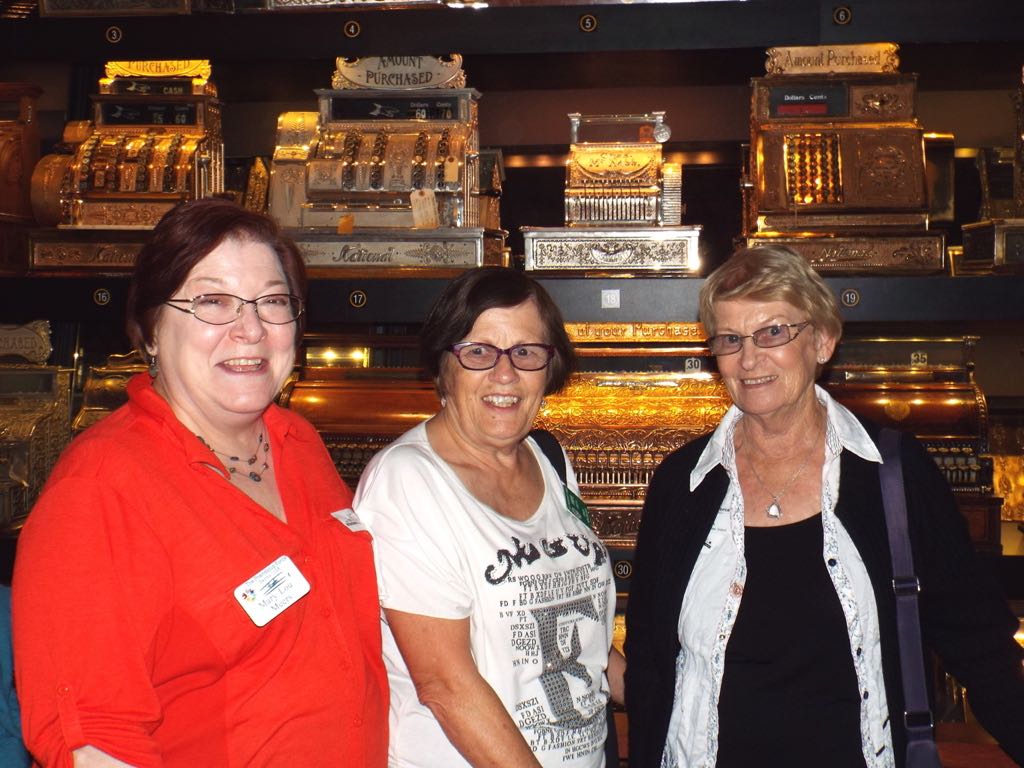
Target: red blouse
{"x":127,"y":632}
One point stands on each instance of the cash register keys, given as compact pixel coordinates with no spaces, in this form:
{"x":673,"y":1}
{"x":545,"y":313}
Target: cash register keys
{"x":154,"y":141}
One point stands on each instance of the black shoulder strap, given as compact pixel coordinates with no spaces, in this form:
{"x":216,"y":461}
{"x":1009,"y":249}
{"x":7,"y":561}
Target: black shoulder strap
{"x":921,"y":750}
{"x":551,"y":448}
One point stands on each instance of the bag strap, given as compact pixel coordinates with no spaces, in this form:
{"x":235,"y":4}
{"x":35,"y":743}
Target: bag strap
{"x":551,"y":448}
{"x":917,"y":717}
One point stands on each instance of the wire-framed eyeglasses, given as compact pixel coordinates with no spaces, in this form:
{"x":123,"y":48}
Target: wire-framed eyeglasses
{"x":770,"y":336}
{"x":478,"y":356}
{"x":224,"y":308}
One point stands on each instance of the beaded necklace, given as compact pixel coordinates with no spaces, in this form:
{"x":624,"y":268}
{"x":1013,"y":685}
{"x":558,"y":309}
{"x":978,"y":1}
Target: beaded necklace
{"x":236,"y":465}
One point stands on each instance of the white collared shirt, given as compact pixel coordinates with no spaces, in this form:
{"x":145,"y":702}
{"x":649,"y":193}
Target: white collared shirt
{"x":715,"y":588}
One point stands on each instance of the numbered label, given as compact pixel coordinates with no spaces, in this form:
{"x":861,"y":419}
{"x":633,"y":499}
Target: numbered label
{"x":114,"y":35}
{"x":842,"y":15}
{"x":357,"y":299}
{"x":588,"y":22}
{"x":850,"y":297}
{"x":352,"y":29}
{"x":101,"y":297}
{"x":623,"y":569}
{"x":692,"y":364}
{"x":919,"y":358}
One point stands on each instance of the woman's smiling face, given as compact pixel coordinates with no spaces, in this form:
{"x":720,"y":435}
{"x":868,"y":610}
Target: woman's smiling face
{"x":769,"y":381}
{"x":496,"y":408}
{"x":224,"y":375}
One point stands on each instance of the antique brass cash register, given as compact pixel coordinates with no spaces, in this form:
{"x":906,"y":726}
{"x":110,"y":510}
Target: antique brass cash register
{"x":836,"y":166}
{"x":623,"y":203}
{"x":386,"y":176}
{"x":926,"y":386}
{"x":645,"y":388}
{"x":35,"y":408}
{"x":996,"y":242}
{"x":154,"y":142}
{"x":19,"y":150}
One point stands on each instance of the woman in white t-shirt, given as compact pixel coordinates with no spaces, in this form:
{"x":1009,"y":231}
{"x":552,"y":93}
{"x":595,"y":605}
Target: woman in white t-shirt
{"x":498,"y":598}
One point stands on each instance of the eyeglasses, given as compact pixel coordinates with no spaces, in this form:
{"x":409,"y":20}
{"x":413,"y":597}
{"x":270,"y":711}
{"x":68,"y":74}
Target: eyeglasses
{"x":224,"y":308}
{"x":477,"y":356}
{"x":766,"y":338}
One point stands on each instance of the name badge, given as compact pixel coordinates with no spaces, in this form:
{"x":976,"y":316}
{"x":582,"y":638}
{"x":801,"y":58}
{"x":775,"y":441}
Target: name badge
{"x":349,"y":519}
{"x":269,"y":592}
{"x":577,"y":507}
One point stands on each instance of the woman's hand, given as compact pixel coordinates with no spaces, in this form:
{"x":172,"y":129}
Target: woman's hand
{"x":437,"y":653}
{"x":617,"y":677}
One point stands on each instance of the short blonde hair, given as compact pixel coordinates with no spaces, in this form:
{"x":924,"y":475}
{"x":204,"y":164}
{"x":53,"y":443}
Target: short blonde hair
{"x":771,"y":273}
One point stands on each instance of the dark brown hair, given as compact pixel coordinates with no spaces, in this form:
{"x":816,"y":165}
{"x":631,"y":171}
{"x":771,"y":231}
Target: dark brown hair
{"x":184,"y":237}
{"x":471,"y":294}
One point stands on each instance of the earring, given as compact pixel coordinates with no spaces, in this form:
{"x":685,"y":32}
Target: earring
{"x":154,"y":367}
{"x":822,"y":360}
{"x":444,"y":402}
{"x":543,"y":403}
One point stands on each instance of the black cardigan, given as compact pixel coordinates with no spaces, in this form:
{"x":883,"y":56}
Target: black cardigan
{"x":964,"y":617}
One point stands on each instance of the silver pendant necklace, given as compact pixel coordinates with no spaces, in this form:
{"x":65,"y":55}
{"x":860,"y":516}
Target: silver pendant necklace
{"x":245,"y":467}
{"x":773,"y":510}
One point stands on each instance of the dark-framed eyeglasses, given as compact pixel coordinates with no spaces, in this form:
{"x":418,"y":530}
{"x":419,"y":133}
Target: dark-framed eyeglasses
{"x":478,"y":356}
{"x":770,"y":336}
{"x":224,"y":308}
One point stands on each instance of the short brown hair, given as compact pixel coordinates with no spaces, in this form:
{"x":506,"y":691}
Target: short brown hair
{"x":185,"y":236}
{"x":771,"y":273}
{"x":471,"y":294}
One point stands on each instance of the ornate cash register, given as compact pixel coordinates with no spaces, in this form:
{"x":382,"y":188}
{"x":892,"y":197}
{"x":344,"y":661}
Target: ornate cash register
{"x":647,"y":388}
{"x":386,"y":175}
{"x":996,"y":242}
{"x":35,"y":406}
{"x":19,"y":150}
{"x":926,"y":386}
{"x":155,"y":141}
{"x":836,"y":166}
{"x":623,"y":203}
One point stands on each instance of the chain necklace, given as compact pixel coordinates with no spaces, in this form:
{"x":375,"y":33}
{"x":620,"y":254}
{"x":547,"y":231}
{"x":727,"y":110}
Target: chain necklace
{"x":773,"y":510}
{"x":244,"y":467}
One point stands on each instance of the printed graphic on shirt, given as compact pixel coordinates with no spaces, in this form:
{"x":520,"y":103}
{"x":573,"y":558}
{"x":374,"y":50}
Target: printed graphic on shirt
{"x":553,"y":599}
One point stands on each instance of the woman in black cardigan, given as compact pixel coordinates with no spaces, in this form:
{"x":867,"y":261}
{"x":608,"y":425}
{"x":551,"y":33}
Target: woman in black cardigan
{"x":761,"y":623}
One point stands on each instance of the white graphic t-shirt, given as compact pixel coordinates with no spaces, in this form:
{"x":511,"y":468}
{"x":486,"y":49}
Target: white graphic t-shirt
{"x":539,"y":596}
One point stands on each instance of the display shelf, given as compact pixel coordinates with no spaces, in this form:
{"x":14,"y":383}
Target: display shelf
{"x":651,"y":299}
{"x":320,"y":33}
{"x":865,"y":299}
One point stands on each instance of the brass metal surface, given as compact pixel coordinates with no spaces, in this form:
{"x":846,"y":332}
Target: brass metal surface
{"x":19,"y":150}
{"x":29,"y":342}
{"x":196,"y":69}
{"x":996,"y":245}
{"x":920,"y":253}
{"x":155,"y":141}
{"x":399,"y":73}
{"x":105,"y":388}
{"x":394,"y":146}
{"x":832,"y":59}
{"x":35,"y":403}
{"x":619,"y":177}
{"x":649,"y":250}
{"x":90,"y":252}
{"x":837,"y":168}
